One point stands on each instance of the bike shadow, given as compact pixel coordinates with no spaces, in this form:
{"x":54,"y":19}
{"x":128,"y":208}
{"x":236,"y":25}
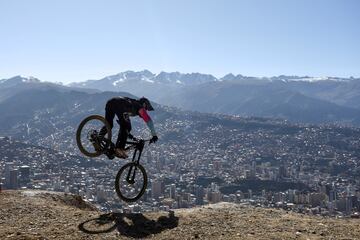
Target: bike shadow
{"x":134,"y":225}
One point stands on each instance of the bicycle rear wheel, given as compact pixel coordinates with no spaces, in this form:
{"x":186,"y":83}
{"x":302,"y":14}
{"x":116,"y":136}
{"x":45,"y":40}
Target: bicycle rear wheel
{"x":87,"y":137}
{"x":131,"y":182}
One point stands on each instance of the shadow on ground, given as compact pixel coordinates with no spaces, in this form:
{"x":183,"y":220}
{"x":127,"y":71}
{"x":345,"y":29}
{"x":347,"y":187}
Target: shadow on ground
{"x":134,"y":225}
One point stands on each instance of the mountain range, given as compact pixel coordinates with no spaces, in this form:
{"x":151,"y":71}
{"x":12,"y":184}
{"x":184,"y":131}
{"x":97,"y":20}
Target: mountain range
{"x":296,"y":98}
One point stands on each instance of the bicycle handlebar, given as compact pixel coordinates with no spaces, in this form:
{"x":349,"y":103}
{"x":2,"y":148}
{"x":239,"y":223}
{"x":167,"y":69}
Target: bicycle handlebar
{"x":137,"y":140}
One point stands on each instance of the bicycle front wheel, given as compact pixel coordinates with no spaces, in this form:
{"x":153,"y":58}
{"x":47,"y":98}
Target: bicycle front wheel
{"x":131,"y":182}
{"x":87,"y":136}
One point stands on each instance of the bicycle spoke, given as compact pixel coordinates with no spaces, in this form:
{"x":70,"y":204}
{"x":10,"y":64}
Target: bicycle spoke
{"x":89,"y":136}
{"x":131,"y":182}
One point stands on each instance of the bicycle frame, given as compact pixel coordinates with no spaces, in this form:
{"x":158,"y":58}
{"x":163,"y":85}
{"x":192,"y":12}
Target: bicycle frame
{"x":138,"y":146}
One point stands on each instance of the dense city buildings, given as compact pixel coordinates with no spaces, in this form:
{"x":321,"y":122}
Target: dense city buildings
{"x":201,"y":160}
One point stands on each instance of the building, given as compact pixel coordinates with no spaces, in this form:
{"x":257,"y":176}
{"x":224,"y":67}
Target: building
{"x":250,"y":193}
{"x":214,"y":197}
{"x":199,"y":195}
{"x":282,"y":171}
{"x":8,"y":167}
{"x":348,"y":205}
{"x":332,"y":195}
{"x":172,"y":191}
{"x":156,"y":188}
{"x":24,"y":175}
{"x":14,"y":174}
{"x":317,"y":199}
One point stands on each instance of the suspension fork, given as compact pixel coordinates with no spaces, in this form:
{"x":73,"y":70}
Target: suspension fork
{"x":138,"y":151}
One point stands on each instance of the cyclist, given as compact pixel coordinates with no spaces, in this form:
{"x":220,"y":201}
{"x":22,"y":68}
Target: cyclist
{"x":124,"y":108}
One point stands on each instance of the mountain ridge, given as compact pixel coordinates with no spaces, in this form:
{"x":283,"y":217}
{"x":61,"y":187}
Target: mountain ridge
{"x":246,"y":96}
{"x":318,"y":100}
{"x":163,"y":77}
{"x":175,"y":77}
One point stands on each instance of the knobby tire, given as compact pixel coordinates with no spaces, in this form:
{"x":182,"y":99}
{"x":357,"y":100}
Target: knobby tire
{"x":118,"y":177}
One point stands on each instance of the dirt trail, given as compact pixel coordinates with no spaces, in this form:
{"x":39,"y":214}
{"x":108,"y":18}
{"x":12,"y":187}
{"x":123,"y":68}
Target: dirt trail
{"x":48,"y":215}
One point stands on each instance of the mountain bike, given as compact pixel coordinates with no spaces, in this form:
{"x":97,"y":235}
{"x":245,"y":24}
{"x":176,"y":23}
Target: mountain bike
{"x":131,"y":179}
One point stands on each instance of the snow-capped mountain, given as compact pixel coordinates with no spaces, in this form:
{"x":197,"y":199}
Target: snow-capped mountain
{"x":185,"y":79}
{"x":17,"y":80}
{"x":123,"y":79}
{"x":146,"y":83}
{"x":17,"y":84}
{"x":176,"y":79}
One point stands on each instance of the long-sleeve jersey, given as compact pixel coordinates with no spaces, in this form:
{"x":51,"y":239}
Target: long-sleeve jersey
{"x":145,"y":116}
{"x":124,"y":105}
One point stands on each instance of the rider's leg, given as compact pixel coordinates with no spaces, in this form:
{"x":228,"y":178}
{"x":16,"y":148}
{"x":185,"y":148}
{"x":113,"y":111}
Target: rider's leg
{"x":109,"y":117}
{"x":125,"y":128}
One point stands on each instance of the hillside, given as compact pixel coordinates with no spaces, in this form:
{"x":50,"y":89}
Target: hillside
{"x":31,"y":214}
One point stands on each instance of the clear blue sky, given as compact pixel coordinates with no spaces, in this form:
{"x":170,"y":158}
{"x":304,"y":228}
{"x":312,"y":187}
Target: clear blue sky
{"x":77,"y":40}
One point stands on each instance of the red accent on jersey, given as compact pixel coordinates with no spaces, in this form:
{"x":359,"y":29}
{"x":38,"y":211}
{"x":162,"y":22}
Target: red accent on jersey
{"x":144,"y":115}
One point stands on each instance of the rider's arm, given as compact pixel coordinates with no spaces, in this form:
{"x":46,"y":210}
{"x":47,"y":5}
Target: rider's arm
{"x":145,"y":116}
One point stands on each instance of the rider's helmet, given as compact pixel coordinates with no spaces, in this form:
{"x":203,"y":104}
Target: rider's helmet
{"x":147,"y":103}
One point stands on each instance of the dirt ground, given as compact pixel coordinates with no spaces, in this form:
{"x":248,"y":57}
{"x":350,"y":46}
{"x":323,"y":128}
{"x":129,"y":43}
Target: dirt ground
{"x":48,"y":215}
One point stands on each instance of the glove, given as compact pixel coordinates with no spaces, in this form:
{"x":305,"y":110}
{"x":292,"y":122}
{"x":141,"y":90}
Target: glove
{"x":130,"y":136}
{"x":154,"y":139}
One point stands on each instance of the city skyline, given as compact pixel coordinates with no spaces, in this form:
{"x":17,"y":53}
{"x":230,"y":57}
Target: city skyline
{"x":76,"y":41}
